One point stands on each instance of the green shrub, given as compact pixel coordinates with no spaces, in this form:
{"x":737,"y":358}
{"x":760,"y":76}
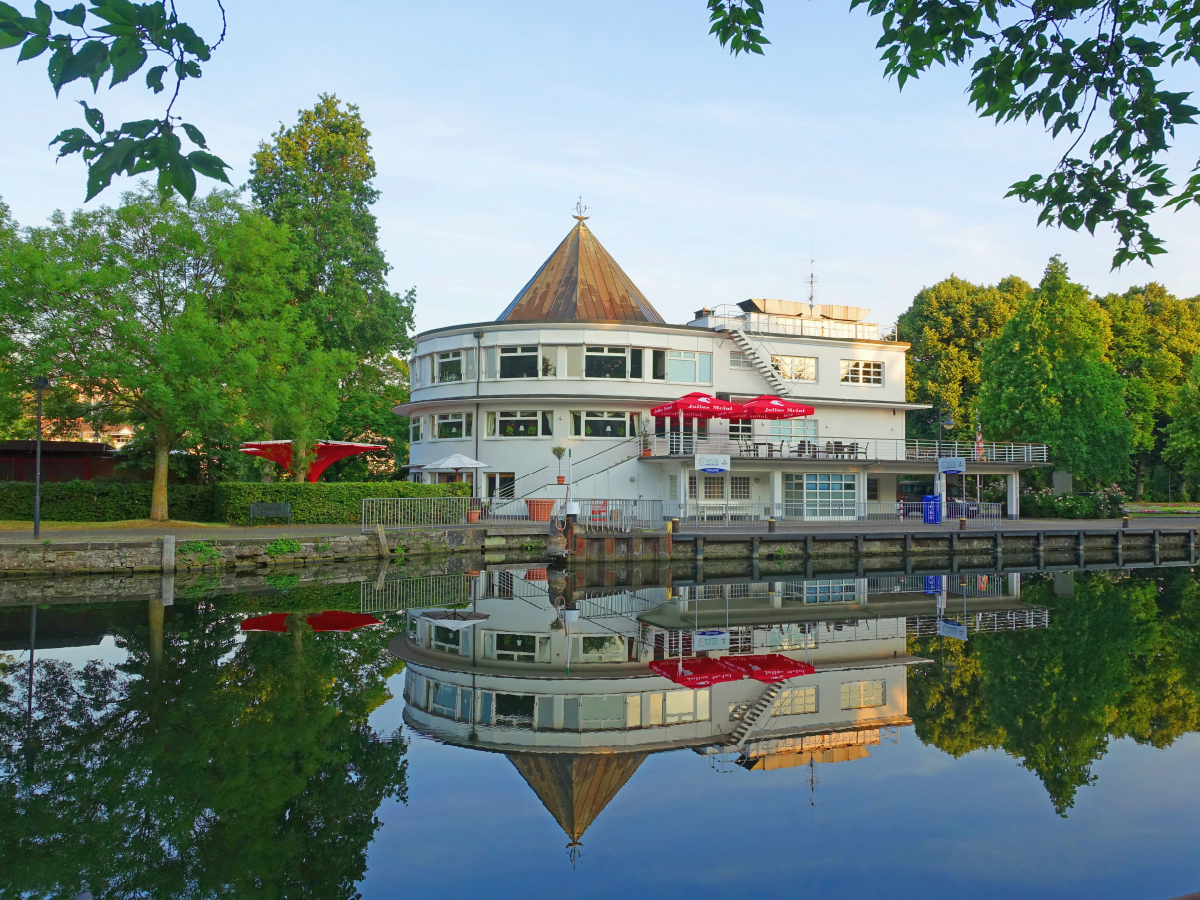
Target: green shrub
{"x":115,"y":501}
{"x":282,"y":547}
{"x":1102,"y":504}
{"x":322,"y":504}
{"x":199,"y":553}
{"x":104,"y":501}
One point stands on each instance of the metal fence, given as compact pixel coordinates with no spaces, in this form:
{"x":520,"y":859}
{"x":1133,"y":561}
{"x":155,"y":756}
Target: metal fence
{"x":592,"y":515}
{"x":1003,"y":620}
{"x":432,"y":592}
{"x":617,"y":515}
{"x":701,"y":513}
{"x":844,"y":448}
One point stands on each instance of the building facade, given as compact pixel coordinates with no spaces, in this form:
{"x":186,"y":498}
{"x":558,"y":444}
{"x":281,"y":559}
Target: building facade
{"x":580,"y":358}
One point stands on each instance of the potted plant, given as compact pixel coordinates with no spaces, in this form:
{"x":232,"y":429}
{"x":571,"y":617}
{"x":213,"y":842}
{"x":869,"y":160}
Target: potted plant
{"x":559,"y":453}
{"x":646,"y":451}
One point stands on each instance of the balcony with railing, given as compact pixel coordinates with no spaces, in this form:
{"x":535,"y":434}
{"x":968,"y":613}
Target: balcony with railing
{"x":728,"y":316}
{"x":847,"y":448}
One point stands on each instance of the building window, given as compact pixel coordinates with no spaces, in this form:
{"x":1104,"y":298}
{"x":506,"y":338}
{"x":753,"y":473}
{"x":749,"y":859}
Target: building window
{"x":672,"y":487}
{"x":687,"y":367}
{"x":741,"y":428}
{"x":739,"y":487}
{"x":823,"y":590}
{"x":856,"y":371}
{"x":714,"y":487}
{"x":451,"y":426}
{"x":797,"y":701}
{"x":513,"y":710}
{"x":803,"y":429}
{"x":606,"y":362}
{"x":447,"y":640}
{"x":872,"y":488}
{"x":691,"y":487}
{"x":592,"y":423}
{"x":549,"y":362}
{"x":635,"y":363}
{"x":518,"y":362}
{"x":739,"y":360}
{"x":602,"y":713}
{"x":602,"y":648}
{"x":862,"y":694}
{"x":449,"y":366}
{"x":516,"y":647}
{"x":414,"y":429}
{"x":795,"y":368}
{"x":520,"y":423}
{"x":658,"y":366}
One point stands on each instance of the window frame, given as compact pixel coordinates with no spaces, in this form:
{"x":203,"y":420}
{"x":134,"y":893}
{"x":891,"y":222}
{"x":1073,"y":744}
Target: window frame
{"x":466,"y":418}
{"x":785,"y":367}
{"x":848,"y":689}
{"x":520,"y":352}
{"x":605,"y":352}
{"x":447,"y":357}
{"x":853,"y":371}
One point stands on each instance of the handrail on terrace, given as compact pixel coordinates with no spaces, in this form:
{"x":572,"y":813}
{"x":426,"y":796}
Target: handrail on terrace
{"x":848,"y":448}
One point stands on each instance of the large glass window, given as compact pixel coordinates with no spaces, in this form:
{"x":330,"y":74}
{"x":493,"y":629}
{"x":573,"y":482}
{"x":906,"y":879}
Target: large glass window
{"x":795,"y":368}
{"x":549,"y":362}
{"x":520,"y":423}
{"x":414,"y":429}
{"x":739,"y":360}
{"x":796,"y":701}
{"x":513,"y":710}
{"x":739,"y":487}
{"x":829,"y":495}
{"x":862,"y":694}
{"x":516,"y":647}
{"x":658,"y":367}
{"x":822,"y":590}
{"x":635,"y":363}
{"x":606,"y":362}
{"x":741,"y":428}
{"x":599,"y":648}
{"x":594,"y":423}
{"x":857,"y":371}
{"x":519,"y":362}
{"x":598,"y":713}
{"x":687,"y":367}
{"x":805,"y":428}
{"x":714,"y":487}
{"x":454,"y":425}
{"x":449,"y":366}
{"x":448,"y":640}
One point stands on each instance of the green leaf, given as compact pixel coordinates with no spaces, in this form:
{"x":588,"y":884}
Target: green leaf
{"x":194,"y":135}
{"x":127,"y":56}
{"x":183,"y":178}
{"x":9,"y":40}
{"x":208,"y":165}
{"x":116,"y":11}
{"x":9,"y":13}
{"x":42,"y":12}
{"x":73,"y":16}
{"x":94,"y":118}
{"x":35,"y":46}
{"x":154,"y":78}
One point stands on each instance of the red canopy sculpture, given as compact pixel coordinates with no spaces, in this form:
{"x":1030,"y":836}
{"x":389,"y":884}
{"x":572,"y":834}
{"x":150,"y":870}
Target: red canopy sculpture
{"x":698,"y":406}
{"x":695,"y":672}
{"x":767,"y":667}
{"x":768,"y":407}
{"x":328,"y":452}
{"x":330,"y":620}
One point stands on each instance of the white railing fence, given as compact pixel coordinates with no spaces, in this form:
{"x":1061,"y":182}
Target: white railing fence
{"x":592,"y":515}
{"x":433,"y":591}
{"x":844,"y":448}
{"x":726,"y":513}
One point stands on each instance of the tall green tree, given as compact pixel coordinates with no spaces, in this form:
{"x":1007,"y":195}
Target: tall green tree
{"x":948,"y":325}
{"x":316,"y":178}
{"x":1154,"y":339}
{"x":1183,"y":432}
{"x":1046,"y":378}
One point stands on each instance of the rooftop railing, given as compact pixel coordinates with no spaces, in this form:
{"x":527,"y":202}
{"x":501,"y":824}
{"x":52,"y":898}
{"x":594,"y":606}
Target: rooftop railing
{"x":847,"y":448}
{"x":797,"y":326}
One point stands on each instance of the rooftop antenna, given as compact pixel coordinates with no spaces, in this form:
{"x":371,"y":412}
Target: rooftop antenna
{"x":580,"y":209}
{"x":812,"y":282}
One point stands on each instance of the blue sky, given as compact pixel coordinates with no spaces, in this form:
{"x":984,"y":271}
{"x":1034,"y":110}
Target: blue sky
{"x":710,"y":179}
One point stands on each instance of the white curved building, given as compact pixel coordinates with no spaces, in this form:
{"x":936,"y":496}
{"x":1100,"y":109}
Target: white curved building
{"x":580,"y":357}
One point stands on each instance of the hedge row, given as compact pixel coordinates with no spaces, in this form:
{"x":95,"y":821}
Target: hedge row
{"x":115,"y":501}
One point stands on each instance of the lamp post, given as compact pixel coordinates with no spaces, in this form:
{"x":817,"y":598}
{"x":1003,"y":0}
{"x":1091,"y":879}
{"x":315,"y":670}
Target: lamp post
{"x":942,"y":423}
{"x":40,"y":384}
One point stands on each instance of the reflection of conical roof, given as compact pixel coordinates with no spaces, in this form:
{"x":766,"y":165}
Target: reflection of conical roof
{"x":575,"y":787}
{"x":580,"y":281}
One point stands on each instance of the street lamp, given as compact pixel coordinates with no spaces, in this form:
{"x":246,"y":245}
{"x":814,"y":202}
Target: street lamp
{"x":40,"y":384}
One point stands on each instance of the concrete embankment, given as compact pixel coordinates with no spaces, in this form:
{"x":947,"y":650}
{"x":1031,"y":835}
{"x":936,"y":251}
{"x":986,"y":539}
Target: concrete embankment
{"x":166,"y":554}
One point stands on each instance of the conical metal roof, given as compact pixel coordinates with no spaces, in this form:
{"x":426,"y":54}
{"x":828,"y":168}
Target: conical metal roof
{"x":575,"y":787}
{"x":580,"y":281}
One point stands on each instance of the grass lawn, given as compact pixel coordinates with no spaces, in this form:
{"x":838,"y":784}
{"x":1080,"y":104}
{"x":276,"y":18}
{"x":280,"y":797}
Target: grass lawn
{"x":9,"y":525}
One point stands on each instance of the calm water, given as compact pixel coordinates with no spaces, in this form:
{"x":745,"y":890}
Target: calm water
{"x":171,"y":752}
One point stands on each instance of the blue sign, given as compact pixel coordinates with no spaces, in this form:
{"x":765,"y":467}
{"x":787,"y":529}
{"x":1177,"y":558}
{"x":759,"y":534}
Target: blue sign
{"x":933,"y":584}
{"x":931,"y":508}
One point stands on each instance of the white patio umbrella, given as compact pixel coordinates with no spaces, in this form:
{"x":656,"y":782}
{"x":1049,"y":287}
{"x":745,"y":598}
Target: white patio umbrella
{"x":457,"y":463}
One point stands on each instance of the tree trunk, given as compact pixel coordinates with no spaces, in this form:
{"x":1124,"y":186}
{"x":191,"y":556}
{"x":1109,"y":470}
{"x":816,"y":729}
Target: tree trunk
{"x":1139,"y":486}
{"x":300,"y":460}
{"x":158,"y":498}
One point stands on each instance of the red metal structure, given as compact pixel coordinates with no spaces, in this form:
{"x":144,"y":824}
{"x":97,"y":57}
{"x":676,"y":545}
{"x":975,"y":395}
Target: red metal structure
{"x":328,"y":452}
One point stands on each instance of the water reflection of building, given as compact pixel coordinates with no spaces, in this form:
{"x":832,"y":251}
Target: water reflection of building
{"x":566,"y":692}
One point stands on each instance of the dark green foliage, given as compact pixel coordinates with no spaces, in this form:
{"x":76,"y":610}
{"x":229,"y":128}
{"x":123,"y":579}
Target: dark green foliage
{"x":738,"y":25}
{"x":119,"y":41}
{"x":1042,"y":504}
{"x":282,"y":547}
{"x":117,"y":501}
{"x":198,"y":553}
{"x":103,"y":501}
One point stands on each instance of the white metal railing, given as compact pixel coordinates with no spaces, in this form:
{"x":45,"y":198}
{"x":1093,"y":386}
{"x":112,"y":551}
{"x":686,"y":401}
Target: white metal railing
{"x":592,"y":515}
{"x":617,"y":515}
{"x":399,"y":512}
{"x":724,"y":513}
{"x":1002,"y":620}
{"x":621,"y":605}
{"x":845,"y":448}
{"x":770,"y":323}
{"x":415,"y":593}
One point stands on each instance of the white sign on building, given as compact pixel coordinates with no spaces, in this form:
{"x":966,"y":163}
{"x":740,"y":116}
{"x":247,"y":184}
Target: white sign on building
{"x":956,"y":630}
{"x":712,"y":462}
{"x":710,"y":640}
{"x":952,"y":465}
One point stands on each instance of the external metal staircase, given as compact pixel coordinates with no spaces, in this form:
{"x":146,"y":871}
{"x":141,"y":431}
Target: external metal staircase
{"x":764,"y":367}
{"x":755,"y":713}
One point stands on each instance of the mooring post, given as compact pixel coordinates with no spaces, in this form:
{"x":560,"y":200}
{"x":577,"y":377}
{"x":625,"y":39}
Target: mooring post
{"x":1080,"y":544}
{"x":1157,"y":547}
{"x":168,"y":553}
{"x":908,"y":543}
{"x":1192,"y":546}
{"x":754,"y":547}
{"x":699,"y":548}
{"x":381,"y":542}
{"x":808,"y":544}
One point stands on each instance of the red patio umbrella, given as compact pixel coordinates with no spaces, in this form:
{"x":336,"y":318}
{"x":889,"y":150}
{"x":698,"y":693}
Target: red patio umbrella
{"x":768,"y":407}
{"x":336,"y":620}
{"x":767,"y":667}
{"x":694,"y":672}
{"x":698,"y":406}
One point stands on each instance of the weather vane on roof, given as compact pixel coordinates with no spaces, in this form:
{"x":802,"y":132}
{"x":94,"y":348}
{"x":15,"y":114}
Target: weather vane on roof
{"x":580,"y":209}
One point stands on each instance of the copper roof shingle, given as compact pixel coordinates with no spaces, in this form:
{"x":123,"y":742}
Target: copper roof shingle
{"x":580,"y":281}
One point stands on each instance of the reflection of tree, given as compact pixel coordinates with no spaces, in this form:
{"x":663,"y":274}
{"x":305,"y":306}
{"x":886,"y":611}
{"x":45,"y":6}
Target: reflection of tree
{"x":217,"y":768}
{"x":1115,"y":662}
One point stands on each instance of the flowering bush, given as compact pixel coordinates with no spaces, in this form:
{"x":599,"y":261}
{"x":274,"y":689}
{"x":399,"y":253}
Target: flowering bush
{"x":1108,"y":503}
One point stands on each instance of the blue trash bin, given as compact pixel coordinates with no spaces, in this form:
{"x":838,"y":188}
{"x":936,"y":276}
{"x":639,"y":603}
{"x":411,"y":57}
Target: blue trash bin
{"x":931,"y":506}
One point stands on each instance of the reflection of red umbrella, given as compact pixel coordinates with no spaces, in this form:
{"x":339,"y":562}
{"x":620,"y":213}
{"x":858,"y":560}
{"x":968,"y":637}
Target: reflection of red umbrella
{"x":698,"y":406}
{"x":269,"y":622}
{"x":695,"y":672}
{"x":768,"y":407}
{"x":767,"y":667}
{"x":336,"y":620}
